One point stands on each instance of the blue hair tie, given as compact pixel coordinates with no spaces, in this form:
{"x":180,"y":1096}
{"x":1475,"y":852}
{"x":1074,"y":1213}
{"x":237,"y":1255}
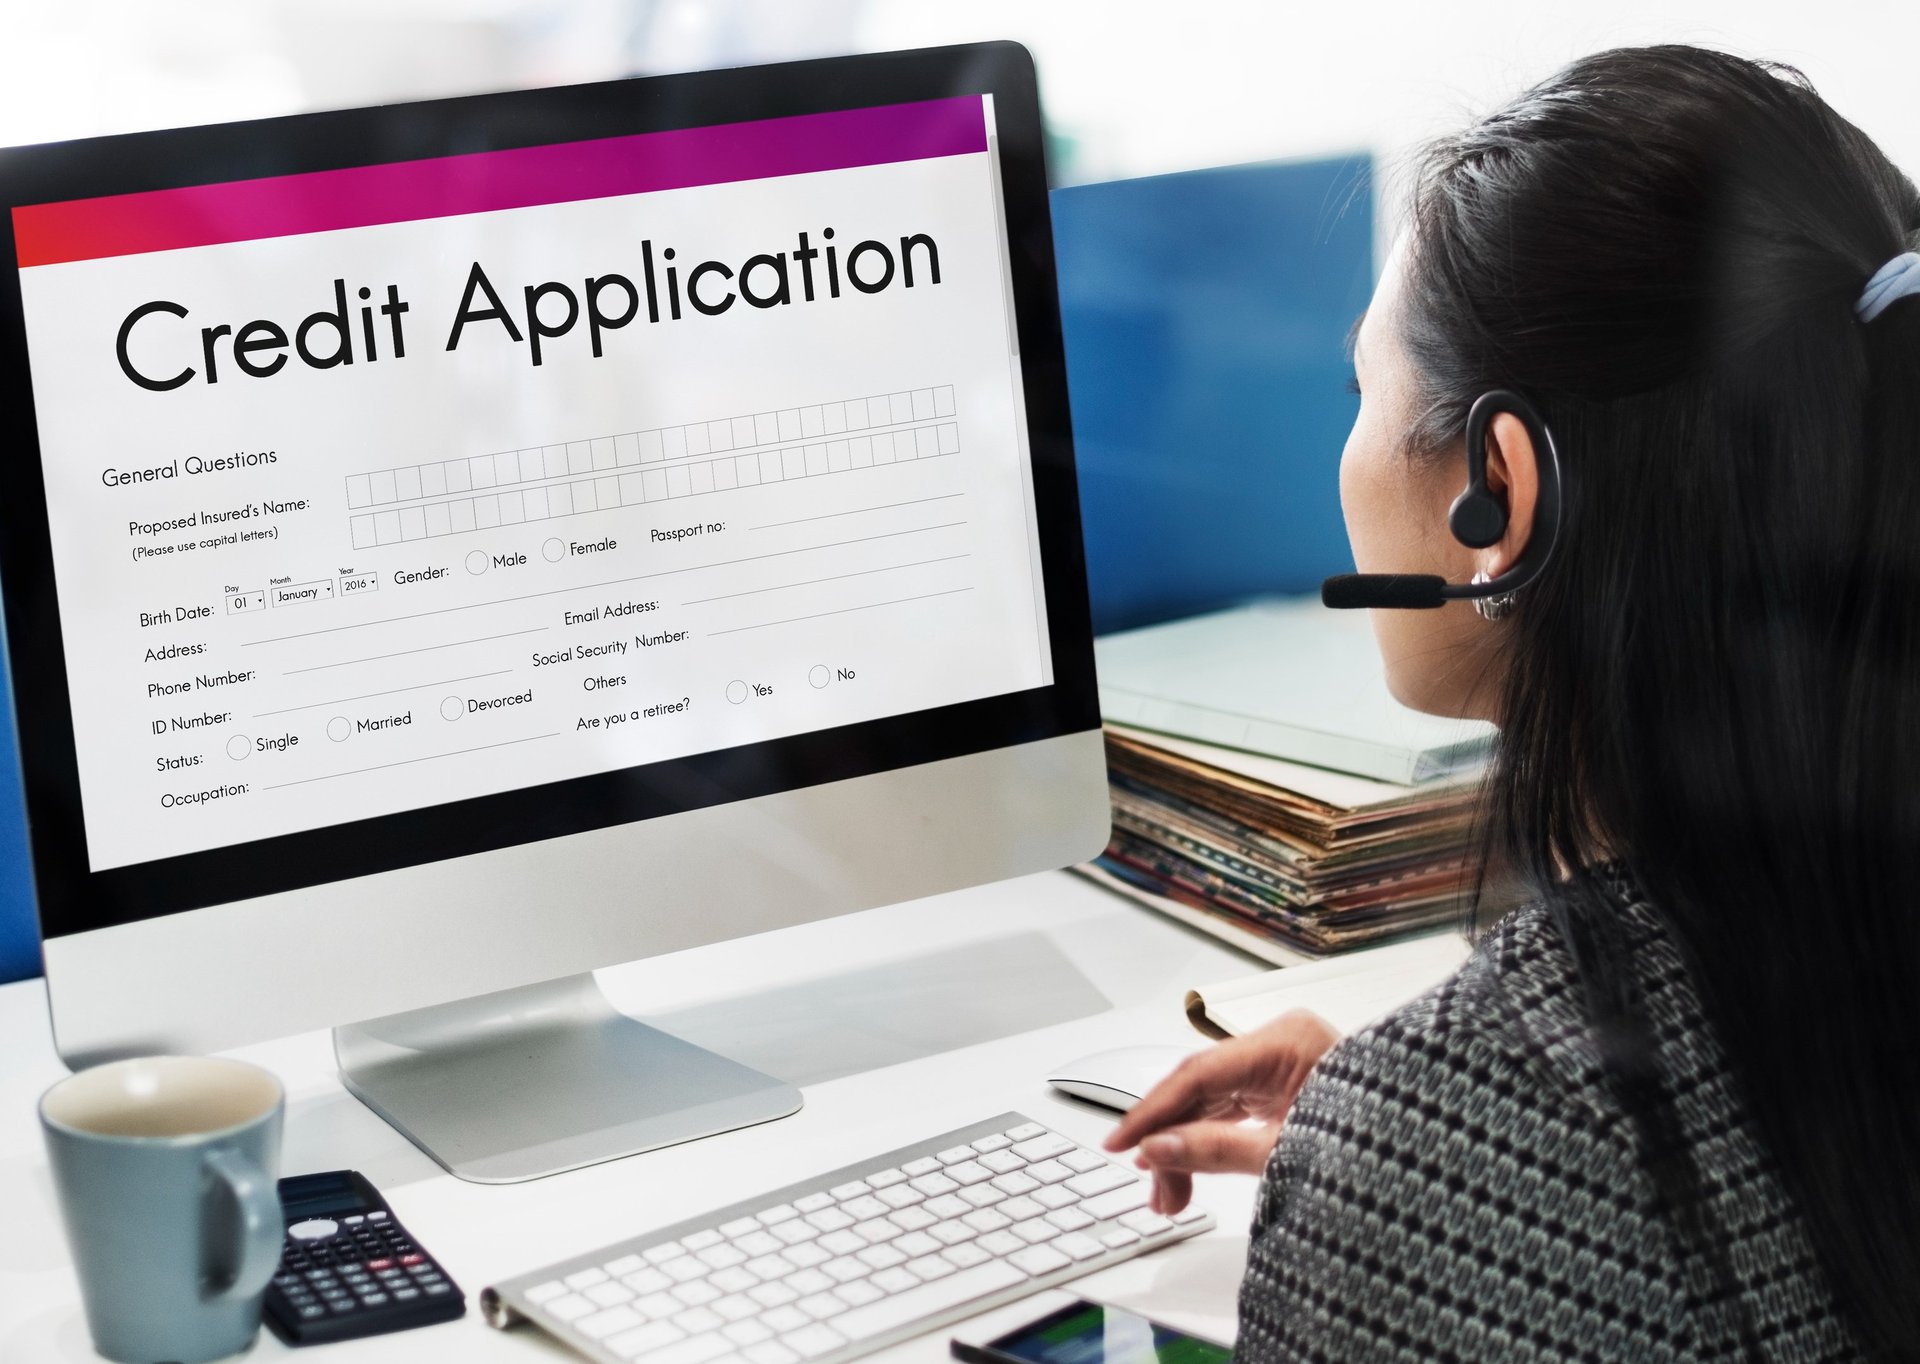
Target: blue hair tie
{"x":1893,"y":281}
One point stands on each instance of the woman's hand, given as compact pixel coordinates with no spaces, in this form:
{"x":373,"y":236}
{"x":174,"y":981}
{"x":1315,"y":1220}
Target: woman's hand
{"x":1195,"y":1120}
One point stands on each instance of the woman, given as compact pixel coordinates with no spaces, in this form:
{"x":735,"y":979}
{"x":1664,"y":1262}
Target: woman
{"x":1671,"y":1110}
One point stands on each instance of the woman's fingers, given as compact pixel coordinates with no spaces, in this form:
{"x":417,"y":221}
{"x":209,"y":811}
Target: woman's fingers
{"x":1196,"y":1085}
{"x":1172,"y":1190}
{"x":1210,"y":1148}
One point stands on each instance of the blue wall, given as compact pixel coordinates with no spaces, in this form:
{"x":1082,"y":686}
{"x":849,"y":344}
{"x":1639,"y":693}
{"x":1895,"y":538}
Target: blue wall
{"x":1206,"y":316}
{"x":19,"y":934}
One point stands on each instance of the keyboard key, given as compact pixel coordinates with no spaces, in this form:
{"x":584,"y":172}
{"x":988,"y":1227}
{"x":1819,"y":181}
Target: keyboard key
{"x":951,"y":1233}
{"x":735,"y":1307}
{"x":983,"y":1195}
{"x":771,"y":1266}
{"x":1026,"y":1131}
{"x":881,"y":1257}
{"x":684,"y":1269}
{"x":953,"y":1155}
{"x":914,"y":1244}
{"x":1187,"y":1216}
{"x":653,"y":1336}
{"x":895,"y":1280}
{"x":1048,"y":1172}
{"x":1069,"y":1219}
{"x":912,"y":1219}
{"x":858,"y":1293}
{"x":1081,"y":1161}
{"x":696,"y":1320}
{"x":570,"y":1308}
{"x":926,"y":1165}
{"x":772,"y":1352}
{"x":698,"y":1350}
{"x":545,"y":1292}
{"x":844,"y":1270}
{"x":586,"y":1278}
{"x":996,"y":1142}
{"x":722,"y":1256}
{"x":932,"y":1185}
{"x":813,"y":1340}
{"x":660,"y":1254}
{"x":603,"y":1324}
{"x":700,"y":1240}
{"x":877,"y":1230}
{"x":746,"y":1332}
{"x":901,"y":1196}
{"x":808,"y":1281}
{"x":829,"y":1219}
{"x":1038,"y":1260}
{"x":929,"y":1267}
{"x":794,"y":1232}
{"x":1145,"y":1222}
{"x":610,"y":1294}
{"x":965,"y":1256}
{"x":886,"y":1178}
{"x":756,"y":1242}
{"x":659,"y":1306}
{"x":625,"y":1265}
{"x":860,"y":1209}
{"x":1016,"y":1183}
{"x":740,"y":1226}
{"x":735,"y":1280}
{"x":842,"y":1192}
{"x":1055,"y":1196}
{"x":1002,"y":1162}
{"x":785,"y":1319}
{"x":785,"y":1212}
{"x":968,"y":1172}
{"x":821,"y":1306}
{"x":778,"y":1294}
{"x":813,"y":1202}
{"x":1101,"y":1180}
{"x":1076,"y":1246}
{"x":1000,"y":1243}
{"x":986,"y":1219}
{"x":1118,"y":1237}
{"x":1124,"y":1199}
{"x":1036,"y":1230}
{"x":913,"y":1304}
{"x":841,"y":1242}
{"x":1043,"y":1148}
{"x":1019,"y":1209}
{"x":696,"y":1294}
{"x":806,"y":1256}
{"x":943,"y":1207}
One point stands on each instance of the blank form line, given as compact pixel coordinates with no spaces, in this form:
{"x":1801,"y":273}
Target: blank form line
{"x":421,"y":686}
{"x":427,"y":649}
{"x":855,"y":511}
{"x":611,"y":582}
{"x":841,"y":612}
{"x":507,"y":743}
{"x":809,"y":582}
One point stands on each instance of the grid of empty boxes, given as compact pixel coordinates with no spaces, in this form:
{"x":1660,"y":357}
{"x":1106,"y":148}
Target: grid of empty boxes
{"x":650,"y":466}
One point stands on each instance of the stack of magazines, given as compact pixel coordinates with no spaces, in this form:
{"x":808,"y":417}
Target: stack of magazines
{"x":1266,"y":786}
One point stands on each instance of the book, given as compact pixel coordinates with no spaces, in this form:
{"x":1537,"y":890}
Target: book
{"x":1286,"y":679}
{"x":1349,"y":992}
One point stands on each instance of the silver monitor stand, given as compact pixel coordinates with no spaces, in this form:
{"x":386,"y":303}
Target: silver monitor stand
{"x":545,"y":1078}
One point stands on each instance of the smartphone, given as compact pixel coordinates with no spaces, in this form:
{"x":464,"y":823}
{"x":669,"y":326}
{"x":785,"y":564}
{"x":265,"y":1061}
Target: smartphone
{"x":1085,"y":1332}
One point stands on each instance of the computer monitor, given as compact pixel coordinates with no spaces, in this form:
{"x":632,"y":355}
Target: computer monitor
{"x":454,"y":546}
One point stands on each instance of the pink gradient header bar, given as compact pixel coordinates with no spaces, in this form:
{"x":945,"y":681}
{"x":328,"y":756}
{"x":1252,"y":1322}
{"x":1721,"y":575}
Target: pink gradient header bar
{"x":482,"y":182}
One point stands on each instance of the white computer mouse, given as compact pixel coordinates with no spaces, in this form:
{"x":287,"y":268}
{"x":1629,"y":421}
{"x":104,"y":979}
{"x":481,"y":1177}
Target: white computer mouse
{"x":1118,"y":1078}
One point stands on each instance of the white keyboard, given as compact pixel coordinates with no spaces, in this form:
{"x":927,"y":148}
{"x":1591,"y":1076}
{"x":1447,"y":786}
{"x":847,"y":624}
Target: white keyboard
{"x":854,"y":1260}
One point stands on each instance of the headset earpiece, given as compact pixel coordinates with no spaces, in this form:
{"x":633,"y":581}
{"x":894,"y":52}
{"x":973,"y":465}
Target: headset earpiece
{"x":1477,"y":518}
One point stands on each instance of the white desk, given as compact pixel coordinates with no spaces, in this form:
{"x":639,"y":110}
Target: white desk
{"x":898,"y":1024}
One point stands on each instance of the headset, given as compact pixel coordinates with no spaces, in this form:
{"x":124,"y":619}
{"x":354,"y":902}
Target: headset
{"x":1477,"y":519}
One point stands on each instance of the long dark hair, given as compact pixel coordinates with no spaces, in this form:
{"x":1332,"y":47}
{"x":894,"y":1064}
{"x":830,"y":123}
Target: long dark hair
{"x":1718,"y":678}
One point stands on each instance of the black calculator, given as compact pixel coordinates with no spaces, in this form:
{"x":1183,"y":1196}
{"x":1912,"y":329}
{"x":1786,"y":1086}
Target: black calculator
{"x":349,"y":1268}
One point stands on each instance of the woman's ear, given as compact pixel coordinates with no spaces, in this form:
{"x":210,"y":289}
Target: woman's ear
{"x":1513,"y":476}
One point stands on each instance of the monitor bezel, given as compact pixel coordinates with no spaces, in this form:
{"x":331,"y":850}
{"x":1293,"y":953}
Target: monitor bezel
{"x":72,"y":899}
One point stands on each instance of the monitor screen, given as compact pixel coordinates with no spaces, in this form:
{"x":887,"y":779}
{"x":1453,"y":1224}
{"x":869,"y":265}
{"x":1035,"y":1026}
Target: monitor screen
{"x":380,"y":495}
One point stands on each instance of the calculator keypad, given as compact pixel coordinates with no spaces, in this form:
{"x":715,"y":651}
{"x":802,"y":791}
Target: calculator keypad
{"x":351,"y":1275}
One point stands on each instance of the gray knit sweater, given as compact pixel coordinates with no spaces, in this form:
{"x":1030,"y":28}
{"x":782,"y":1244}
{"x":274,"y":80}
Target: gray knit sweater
{"x":1459,"y":1183}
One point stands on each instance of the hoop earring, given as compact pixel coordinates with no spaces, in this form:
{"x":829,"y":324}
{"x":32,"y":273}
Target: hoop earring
{"x":1497,"y":607}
